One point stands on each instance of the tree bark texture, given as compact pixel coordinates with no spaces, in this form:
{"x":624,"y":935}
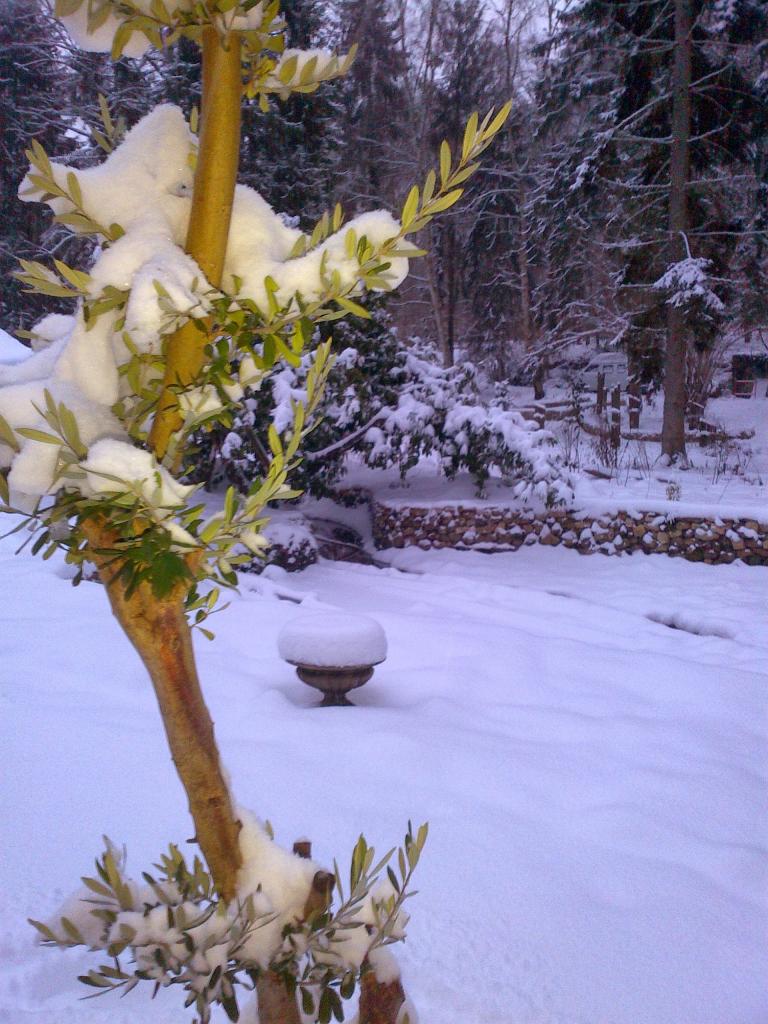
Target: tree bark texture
{"x":437,"y":307}
{"x":380,"y":1002}
{"x":276,"y":1004}
{"x":673,"y":423}
{"x":523,"y":270}
{"x":451,"y":293}
{"x":158,"y":629}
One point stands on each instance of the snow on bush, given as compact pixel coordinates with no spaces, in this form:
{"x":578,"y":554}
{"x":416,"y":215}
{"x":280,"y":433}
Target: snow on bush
{"x":177,"y":931}
{"x":411,"y":408}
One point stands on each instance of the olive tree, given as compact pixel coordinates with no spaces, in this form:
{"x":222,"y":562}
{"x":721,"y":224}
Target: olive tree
{"x":198,"y":290}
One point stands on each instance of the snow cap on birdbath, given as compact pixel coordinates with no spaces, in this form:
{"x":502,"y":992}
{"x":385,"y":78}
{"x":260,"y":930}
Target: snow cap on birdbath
{"x":333,"y":651}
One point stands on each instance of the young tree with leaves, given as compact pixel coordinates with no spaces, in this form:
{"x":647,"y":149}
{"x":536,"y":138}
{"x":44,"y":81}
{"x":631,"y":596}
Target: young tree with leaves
{"x":197,"y":291}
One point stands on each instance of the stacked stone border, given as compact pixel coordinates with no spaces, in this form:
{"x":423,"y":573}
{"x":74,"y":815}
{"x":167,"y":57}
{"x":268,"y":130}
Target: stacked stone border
{"x":494,"y":528}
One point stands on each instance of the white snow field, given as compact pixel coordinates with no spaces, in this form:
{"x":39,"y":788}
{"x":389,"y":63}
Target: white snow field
{"x":595,"y":780}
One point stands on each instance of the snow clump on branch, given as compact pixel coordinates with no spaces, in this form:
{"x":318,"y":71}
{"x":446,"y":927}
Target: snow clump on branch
{"x":687,"y":282}
{"x":142,"y":287}
{"x":100,"y":39}
{"x":177,"y":931}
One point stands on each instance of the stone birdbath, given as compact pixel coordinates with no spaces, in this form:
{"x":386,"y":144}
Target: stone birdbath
{"x":334,"y":652}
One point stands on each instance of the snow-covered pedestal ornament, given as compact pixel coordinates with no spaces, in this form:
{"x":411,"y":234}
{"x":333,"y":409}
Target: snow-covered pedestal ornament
{"x":334,"y":652}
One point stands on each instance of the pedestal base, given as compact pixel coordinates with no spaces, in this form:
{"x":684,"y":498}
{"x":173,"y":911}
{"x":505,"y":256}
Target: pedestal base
{"x":334,"y":682}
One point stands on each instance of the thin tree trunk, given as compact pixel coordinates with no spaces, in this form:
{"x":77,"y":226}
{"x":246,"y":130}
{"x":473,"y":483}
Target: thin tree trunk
{"x":451,"y":288}
{"x":277,"y":1005}
{"x":525,"y":279}
{"x":437,"y":309}
{"x":673,"y":423}
{"x":157,"y":627}
{"x":215,"y":179}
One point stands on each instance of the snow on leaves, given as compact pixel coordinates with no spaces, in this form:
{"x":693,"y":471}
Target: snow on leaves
{"x":178,"y":932}
{"x":106,"y":372}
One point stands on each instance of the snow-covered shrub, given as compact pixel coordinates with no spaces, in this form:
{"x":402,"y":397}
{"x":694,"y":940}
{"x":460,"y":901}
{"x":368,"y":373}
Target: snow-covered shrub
{"x":172,"y":928}
{"x":292,"y":545}
{"x":77,"y":417}
{"x":391,"y":404}
{"x":364,"y":379}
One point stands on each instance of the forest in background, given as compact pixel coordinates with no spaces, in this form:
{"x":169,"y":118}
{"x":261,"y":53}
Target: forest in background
{"x":624,"y":206}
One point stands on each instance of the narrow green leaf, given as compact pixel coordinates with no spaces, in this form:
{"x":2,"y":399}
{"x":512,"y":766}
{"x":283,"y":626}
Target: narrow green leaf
{"x":230,"y":505}
{"x":464,"y":173}
{"x":72,"y":931}
{"x":429,"y":186}
{"x":353,"y":307}
{"x":410,"y":207}
{"x":121,"y":37}
{"x":44,"y":930}
{"x":7,"y":435}
{"x":73,"y":186}
{"x":445,"y":161}
{"x":38,"y":435}
{"x":446,"y":201}
{"x":470,"y":133}
{"x":498,"y":121}
{"x":287,"y":69}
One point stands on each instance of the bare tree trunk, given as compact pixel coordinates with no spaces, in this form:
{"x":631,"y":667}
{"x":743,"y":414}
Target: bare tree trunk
{"x":525,"y":279}
{"x":437,"y":309}
{"x":276,"y":1004}
{"x":157,"y":627}
{"x":673,"y":423}
{"x":451,"y":297}
{"x":540,"y":375}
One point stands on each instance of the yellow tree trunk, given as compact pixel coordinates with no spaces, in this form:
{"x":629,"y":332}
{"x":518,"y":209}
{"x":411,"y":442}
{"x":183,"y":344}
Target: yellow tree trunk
{"x":156,"y":627}
{"x":215,"y":179}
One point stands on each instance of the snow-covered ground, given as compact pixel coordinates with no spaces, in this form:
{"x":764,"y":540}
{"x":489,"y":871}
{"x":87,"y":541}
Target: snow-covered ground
{"x":595,"y":780}
{"x":727,"y":477}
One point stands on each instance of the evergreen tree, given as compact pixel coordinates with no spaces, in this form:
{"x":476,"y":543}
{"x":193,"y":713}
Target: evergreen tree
{"x":305,"y":126}
{"x":32,"y":104}
{"x":611,"y":89}
{"x":504,"y":253}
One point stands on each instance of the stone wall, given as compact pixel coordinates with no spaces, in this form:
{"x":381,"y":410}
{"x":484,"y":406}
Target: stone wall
{"x":491,"y":528}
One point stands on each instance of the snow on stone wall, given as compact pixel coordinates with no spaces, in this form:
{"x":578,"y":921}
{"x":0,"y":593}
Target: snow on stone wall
{"x":493,"y":528}
{"x":714,"y":540}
